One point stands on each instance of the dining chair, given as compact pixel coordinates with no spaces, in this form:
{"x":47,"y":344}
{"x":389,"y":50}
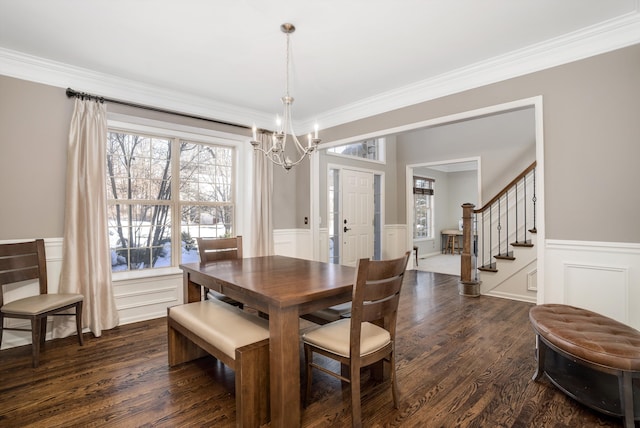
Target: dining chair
{"x":368,"y":336}
{"x":19,"y":263}
{"x":216,"y":249}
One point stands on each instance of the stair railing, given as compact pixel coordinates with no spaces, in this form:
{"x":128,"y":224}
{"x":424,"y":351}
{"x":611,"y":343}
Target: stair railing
{"x":488,"y":233}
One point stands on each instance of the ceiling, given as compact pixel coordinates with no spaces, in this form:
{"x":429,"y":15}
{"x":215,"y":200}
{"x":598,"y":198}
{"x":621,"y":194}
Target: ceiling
{"x":350,"y":59}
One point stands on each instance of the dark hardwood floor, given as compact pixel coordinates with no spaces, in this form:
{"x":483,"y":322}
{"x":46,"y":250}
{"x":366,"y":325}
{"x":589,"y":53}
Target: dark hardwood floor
{"x":461,"y":362}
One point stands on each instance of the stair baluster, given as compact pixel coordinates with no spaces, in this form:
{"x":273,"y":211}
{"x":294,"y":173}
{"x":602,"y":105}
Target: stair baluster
{"x":506,"y":212}
{"x":524,"y":205}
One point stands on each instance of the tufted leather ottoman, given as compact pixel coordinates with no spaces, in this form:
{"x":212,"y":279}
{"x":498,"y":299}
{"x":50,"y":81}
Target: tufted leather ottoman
{"x":585,"y":344}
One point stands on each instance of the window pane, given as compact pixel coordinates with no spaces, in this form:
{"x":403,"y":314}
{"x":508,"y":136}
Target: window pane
{"x":207,"y":221}
{"x":422,"y":205}
{"x":136,"y":165}
{"x":333,"y":182}
{"x":205,"y":173}
{"x":139,"y":236}
{"x":367,"y":149}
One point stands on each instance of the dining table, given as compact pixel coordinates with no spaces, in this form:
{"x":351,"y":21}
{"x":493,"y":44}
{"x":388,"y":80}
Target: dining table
{"x":284,"y":288}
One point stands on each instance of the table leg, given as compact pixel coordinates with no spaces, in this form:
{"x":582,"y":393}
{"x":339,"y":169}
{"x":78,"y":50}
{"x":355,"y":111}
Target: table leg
{"x":192,"y":291}
{"x":284,"y":367}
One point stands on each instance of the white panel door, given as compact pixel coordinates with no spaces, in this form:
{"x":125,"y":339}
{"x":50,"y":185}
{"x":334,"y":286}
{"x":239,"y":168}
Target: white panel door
{"x":357,"y":216}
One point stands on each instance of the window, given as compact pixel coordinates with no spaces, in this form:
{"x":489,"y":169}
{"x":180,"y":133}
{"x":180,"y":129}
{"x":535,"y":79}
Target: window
{"x":368,"y":149}
{"x":163,"y":190}
{"x":333,"y":184}
{"x":423,"y":207}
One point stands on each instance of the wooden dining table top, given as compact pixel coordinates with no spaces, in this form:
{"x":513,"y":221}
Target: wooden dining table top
{"x":276,"y":280}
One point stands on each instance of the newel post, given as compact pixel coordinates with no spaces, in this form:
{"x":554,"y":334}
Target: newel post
{"x":467,"y":285}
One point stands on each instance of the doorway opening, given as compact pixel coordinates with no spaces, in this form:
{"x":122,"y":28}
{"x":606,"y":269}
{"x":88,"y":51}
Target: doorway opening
{"x":455,"y":182}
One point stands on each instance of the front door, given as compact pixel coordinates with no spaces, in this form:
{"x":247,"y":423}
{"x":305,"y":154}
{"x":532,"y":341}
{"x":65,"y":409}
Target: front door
{"x":357,"y":216}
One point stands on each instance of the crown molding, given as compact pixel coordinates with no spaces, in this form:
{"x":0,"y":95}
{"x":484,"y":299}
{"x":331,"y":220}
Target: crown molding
{"x":604,"y":37}
{"x":608,"y":36}
{"x":28,"y":67}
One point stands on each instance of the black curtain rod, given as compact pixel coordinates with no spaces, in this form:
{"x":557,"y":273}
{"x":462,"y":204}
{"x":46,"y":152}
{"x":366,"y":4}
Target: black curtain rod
{"x":83,"y":95}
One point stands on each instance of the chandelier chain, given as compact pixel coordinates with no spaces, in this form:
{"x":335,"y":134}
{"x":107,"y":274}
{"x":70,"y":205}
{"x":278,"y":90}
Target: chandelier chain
{"x":287,"y":67}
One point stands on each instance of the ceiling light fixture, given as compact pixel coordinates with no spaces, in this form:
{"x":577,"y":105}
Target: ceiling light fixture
{"x":276,"y":153}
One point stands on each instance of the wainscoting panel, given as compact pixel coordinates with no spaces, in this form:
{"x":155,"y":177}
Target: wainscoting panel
{"x":293,"y":243}
{"x":583,"y":281}
{"x":600,"y":276}
{"x":323,"y":237}
{"x":394,"y":242}
{"x":147,"y":298}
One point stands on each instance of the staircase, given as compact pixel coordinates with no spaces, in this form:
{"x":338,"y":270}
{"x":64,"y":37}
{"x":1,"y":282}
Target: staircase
{"x":501,"y":255}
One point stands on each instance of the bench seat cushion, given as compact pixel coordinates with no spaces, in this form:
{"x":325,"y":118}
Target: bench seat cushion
{"x":224,"y":326}
{"x":588,"y":335}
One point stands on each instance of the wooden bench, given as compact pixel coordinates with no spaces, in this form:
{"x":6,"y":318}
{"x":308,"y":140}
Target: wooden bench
{"x":238,"y":339}
{"x":592,"y":358}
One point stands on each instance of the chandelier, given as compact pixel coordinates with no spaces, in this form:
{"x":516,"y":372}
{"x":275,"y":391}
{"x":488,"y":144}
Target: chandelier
{"x":276,"y":151}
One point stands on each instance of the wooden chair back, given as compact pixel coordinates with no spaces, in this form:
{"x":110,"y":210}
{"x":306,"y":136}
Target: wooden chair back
{"x":21,"y":262}
{"x":214,"y":249}
{"x":376,"y":294}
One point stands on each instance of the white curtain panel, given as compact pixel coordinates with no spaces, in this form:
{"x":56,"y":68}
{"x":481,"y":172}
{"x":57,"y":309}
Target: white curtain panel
{"x":261,"y":210}
{"x":85,"y":267}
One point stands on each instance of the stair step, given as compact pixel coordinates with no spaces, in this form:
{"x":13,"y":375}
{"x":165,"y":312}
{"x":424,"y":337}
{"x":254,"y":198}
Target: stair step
{"x":491,"y":267}
{"x":505,"y":256}
{"x":526,"y":243}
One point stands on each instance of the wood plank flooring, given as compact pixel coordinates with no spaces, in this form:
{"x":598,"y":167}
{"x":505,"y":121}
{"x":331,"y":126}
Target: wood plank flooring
{"x":461,"y":362}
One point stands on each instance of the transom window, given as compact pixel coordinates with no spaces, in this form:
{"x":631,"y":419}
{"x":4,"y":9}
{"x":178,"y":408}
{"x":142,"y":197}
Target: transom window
{"x":163,"y":190}
{"x":423,"y":189}
{"x":372,"y":149}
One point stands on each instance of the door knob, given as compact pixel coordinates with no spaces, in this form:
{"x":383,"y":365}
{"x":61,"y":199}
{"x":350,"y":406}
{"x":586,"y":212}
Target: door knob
{"x":346,"y":228}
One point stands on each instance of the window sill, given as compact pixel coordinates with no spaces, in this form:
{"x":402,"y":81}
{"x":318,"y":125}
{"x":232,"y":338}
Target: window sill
{"x":146,"y":273}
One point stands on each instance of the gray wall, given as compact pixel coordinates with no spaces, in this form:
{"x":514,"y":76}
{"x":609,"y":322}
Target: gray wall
{"x":590,"y":111}
{"x":463,"y":187}
{"x":34,"y":128}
